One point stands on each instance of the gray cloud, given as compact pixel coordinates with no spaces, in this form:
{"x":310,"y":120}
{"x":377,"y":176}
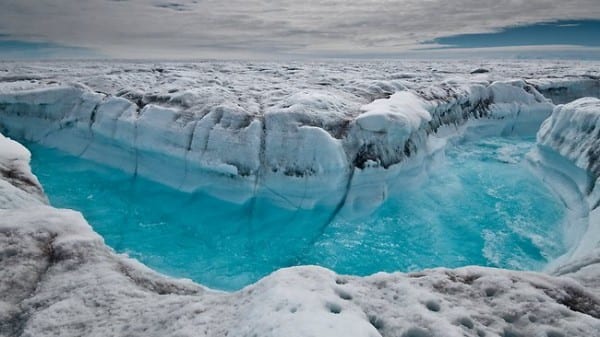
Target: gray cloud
{"x":264,"y":28}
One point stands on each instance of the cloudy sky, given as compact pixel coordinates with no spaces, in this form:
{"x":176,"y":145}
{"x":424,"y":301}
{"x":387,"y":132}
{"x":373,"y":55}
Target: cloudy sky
{"x":188,"y":29}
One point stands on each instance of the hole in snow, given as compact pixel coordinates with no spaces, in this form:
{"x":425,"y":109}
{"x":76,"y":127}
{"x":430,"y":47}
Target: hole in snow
{"x":508,"y":332}
{"x":466,"y":322}
{"x":340,"y":281}
{"x":554,"y":333}
{"x":432,"y":305}
{"x":376,"y":322}
{"x":489,"y":292}
{"x":343,"y":294}
{"x":417,"y":332}
{"x":334,"y":308}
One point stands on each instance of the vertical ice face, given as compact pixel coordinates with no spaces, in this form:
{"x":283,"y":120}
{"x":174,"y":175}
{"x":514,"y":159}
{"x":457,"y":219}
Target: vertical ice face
{"x":302,"y":135}
{"x":562,"y":91}
{"x":573,"y":130}
{"x":568,"y":155}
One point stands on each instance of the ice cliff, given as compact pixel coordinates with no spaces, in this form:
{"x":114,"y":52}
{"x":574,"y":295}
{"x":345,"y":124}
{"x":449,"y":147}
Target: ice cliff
{"x":327,"y":138}
{"x":299,"y":143}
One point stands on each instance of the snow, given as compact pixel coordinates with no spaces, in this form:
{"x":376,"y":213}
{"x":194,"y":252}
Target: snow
{"x":65,"y":281}
{"x":403,"y":107}
{"x":565,"y":90}
{"x":338,"y":134}
{"x":18,"y":184}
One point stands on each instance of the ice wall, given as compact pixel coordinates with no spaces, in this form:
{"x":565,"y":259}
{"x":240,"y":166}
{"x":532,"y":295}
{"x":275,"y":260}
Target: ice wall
{"x":305,"y":150}
{"x":565,"y":90}
{"x":568,"y":154}
{"x":299,"y":134}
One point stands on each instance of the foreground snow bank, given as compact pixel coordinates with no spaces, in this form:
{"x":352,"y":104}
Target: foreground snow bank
{"x":58,"y":278}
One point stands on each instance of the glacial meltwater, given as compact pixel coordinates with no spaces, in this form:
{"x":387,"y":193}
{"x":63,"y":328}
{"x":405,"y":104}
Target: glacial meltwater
{"x":481,"y":206}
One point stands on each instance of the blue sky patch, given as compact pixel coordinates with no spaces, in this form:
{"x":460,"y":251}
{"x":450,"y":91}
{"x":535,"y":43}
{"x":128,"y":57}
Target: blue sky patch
{"x":584,"y":33}
{"x":12,"y":49}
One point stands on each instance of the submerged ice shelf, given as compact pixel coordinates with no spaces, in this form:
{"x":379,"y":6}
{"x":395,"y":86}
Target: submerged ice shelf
{"x":480,"y":205}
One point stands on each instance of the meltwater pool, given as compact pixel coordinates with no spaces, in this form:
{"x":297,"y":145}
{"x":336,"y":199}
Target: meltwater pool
{"x":481,"y":206}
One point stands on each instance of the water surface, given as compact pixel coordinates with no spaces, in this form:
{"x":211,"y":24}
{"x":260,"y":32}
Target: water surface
{"x":481,"y":206}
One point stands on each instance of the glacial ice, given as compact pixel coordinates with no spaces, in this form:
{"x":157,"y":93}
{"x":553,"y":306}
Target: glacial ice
{"x":229,"y":133}
{"x":299,"y":143}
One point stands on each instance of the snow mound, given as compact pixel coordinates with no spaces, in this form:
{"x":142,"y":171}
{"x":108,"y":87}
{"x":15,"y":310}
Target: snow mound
{"x":20,"y":187}
{"x":58,"y":278}
{"x":403,"y":109}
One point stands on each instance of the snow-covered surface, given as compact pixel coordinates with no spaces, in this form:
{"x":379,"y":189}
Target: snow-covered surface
{"x":300,"y":134}
{"x":17,"y":183}
{"x":58,"y":278}
{"x":340,"y":134}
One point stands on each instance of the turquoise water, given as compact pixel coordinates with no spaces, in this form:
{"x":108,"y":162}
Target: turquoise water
{"x":481,"y":206}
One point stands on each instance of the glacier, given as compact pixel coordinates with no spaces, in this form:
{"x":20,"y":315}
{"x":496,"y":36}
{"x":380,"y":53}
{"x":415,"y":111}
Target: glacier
{"x":342,"y":135}
{"x":235,"y":139}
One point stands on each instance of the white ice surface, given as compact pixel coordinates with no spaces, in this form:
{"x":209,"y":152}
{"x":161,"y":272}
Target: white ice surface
{"x":18,"y":185}
{"x":295,"y":134}
{"x":58,"y":278}
{"x":259,"y":127}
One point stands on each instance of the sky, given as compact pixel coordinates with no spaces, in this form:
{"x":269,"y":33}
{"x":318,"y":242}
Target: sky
{"x":285,"y":29}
